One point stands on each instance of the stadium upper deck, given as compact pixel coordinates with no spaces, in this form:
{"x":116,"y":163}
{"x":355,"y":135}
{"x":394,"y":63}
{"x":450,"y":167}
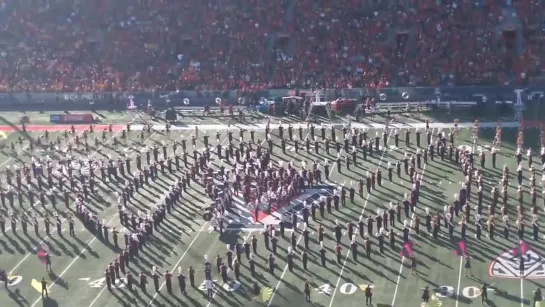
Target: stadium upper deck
{"x":103,"y":45}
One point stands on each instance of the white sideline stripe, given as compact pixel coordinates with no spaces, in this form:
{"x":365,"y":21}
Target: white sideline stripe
{"x":522,"y":291}
{"x":281,"y":277}
{"x":355,"y":125}
{"x":71,"y":263}
{"x":459,"y":280}
{"x":361,"y":214}
{"x":174,"y":268}
{"x":403,"y":258}
{"x":18,"y":152}
{"x":79,"y":255}
{"x":243,"y":229}
{"x":215,"y":290}
{"x":296,"y":244}
{"x":62,"y":221}
{"x":64,"y":147}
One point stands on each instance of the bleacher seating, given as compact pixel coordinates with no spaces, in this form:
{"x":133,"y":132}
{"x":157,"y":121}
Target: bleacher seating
{"x":106,"y":45}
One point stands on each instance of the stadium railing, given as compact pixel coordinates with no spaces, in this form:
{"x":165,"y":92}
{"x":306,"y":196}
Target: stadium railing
{"x":401,"y":96}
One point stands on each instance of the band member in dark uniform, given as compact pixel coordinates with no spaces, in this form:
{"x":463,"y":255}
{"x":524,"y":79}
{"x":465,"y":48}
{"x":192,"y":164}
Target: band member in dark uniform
{"x":368,"y":295}
{"x":426,"y":295}
{"x":484,"y":293}
{"x":307,"y":291}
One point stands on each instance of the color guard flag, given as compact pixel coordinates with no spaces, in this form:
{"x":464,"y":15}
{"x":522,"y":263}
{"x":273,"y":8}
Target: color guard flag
{"x":521,"y":249}
{"x":461,"y":249}
{"x":41,"y":254}
{"x":407,"y":250}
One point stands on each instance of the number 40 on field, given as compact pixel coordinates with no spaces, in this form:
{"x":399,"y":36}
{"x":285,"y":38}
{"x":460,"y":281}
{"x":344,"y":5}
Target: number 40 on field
{"x":347,"y":288}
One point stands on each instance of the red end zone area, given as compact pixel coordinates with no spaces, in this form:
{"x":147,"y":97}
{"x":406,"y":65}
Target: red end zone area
{"x":59,"y":128}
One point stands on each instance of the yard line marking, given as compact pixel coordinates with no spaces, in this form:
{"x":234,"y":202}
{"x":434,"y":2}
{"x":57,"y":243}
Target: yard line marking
{"x":286,"y":267}
{"x":244,"y":229}
{"x":362,"y":211}
{"x":260,"y":127}
{"x":228,"y":270}
{"x":459,"y":280}
{"x":72,"y":263}
{"x":81,"y":253}
{"x":19,"y":151}
{"x":62,"y":150}
{"x":522,"y":291}
{"x":191,"y":243}
{"x":403,"y":258}
{"x":281,"y":276}
{"x":30,"y":208}
{"x":173,"y":269}
{"x":62,"y":221}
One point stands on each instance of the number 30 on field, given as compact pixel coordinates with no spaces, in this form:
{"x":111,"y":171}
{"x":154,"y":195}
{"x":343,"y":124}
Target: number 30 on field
{"x":468,"y":292}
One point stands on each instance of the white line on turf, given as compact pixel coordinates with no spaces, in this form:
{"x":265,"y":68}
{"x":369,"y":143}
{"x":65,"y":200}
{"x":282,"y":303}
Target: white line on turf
{"x":465,"y":125}
{"x":19,"y":151}
{"x":72,"y":263}
{"x":522,"y":291}
{"x":286,"y":267}
{"x":221,"y":285}
{"x":31,"y":208}
{"x":361,"y":214}
{"x":62,"y":150}
{"x":62,"y":221}
{"x":191,"y":243}
{"x":86,"y":247}
{"x":79,"y":255}
{"x":403,"y":258}
{"x":281,"y":277}
{"x":4,"y":163}
{"x":459,"y":280}
{"x":175,"y":265}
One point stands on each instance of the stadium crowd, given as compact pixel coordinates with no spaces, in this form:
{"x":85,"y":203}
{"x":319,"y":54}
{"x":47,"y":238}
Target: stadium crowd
{"x":104,"y":45}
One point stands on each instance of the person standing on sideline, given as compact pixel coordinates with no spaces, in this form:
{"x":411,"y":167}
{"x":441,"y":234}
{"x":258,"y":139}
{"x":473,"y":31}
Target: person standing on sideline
{"x":257,"y":289}
{"x":4,"y":278}
{"x":48,"y":262}
{"x":467,"y":266}
{"x":44,"y":287}
{"x":484,"y":294}
{"x":307,"y":291}
{"x":368,"y":295}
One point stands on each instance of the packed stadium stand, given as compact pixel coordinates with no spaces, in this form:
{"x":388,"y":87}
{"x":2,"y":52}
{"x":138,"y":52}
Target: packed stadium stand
{"x":122,"y":45}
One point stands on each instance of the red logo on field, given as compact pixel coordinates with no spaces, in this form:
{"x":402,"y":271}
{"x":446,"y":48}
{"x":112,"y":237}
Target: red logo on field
{"x":508,"y":265}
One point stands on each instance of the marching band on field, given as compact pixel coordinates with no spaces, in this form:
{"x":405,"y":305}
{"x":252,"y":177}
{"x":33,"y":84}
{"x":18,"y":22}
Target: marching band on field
{"x":254,"y":177}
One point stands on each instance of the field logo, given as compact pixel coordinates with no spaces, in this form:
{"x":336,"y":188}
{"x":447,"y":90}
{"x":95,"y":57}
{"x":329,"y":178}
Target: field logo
{"x":507,"y":265}
{"x":309,"y":196}
{"x":469,"y":148}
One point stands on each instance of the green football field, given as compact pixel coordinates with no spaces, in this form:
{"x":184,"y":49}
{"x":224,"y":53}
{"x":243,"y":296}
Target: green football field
{"x":78,"y":263}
